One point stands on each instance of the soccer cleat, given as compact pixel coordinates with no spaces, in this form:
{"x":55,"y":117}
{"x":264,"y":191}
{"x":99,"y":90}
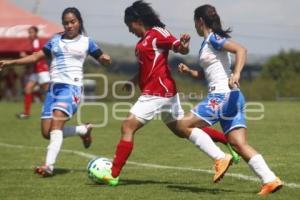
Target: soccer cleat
{"x":87,"y":138}
{"x":221,"y":166}
{"x":235,"y":156}
{"x":22,"y":116}
{"x":271,"y":187}
{"x":44,"y":170}
{"x":105,"y":176}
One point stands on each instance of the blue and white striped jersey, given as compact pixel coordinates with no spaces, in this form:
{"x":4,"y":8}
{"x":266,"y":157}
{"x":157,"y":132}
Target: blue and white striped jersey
{"x":68,"y":57}
{"x":216,"y":63}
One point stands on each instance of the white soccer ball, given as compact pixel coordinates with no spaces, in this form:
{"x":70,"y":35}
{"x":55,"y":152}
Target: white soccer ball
{"x":98,"y":164}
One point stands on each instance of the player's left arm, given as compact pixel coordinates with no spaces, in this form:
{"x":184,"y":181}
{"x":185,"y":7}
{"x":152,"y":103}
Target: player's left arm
{"x":98,"y":54}
{"x":165,"y":40}
{"x":105,"y":59}
{"x":240,"y":59}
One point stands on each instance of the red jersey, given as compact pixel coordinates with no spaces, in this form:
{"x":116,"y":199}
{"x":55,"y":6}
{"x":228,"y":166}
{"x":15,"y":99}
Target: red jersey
{"x":152,"y":53}
{"x":41,"y":65}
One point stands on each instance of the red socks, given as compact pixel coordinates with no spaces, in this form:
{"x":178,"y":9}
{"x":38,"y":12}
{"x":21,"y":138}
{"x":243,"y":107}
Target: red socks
{"x":123,"y":151}
{"x":215,"y":135}
{"x":27,"y":103}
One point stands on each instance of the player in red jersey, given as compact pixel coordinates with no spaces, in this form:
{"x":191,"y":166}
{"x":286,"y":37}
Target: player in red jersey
{"x":159,"y":93}
{"x":40,"y":76}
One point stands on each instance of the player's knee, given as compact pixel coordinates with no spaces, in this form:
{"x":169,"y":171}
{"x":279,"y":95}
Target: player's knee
{"x":179,"y":134}
{"x":183,"y":130}
{"x":238,"y":145}
{"x":127,"y":129}
{"x":27,"y":90}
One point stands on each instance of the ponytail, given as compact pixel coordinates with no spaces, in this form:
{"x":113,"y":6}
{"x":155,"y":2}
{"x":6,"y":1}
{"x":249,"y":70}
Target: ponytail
{"x":211,"y":19}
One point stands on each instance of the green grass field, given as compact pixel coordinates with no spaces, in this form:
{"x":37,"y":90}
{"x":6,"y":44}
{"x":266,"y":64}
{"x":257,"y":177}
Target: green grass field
{"x":21,"y":145}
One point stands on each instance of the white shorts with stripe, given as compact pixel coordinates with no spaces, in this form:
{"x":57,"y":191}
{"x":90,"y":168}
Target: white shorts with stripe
{"x":147,"y":107}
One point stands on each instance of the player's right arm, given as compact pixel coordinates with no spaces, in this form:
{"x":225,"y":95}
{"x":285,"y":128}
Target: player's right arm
{"x":23,"y":61}
{"x":182,"y":68}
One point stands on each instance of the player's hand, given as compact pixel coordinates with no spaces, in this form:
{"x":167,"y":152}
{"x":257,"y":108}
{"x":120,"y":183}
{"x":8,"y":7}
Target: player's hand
{"x":182,"y":68}
{"x":105,"y":59}
{"x":234,"y":80}
{"x":185,"y":40}
{"x":4,"y":63}
{"x":128,"y":87}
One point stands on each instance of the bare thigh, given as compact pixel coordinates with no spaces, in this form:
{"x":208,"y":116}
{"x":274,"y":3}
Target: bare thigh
{"x":55,"y":123}
{"x":29,"y":87}
{"x":45,"y":128}
{"x":129,"y":126}
{"x":44,"y":87}
{"x":184,"y":126}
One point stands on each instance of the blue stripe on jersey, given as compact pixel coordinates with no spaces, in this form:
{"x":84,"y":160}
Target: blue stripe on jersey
{"x":59,"y":56}
{"x":217,"y":41}
{"x":92,"y":46}
{"x":53,"y":40}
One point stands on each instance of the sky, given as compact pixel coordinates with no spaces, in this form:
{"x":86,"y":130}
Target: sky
{"x":264,"y":27}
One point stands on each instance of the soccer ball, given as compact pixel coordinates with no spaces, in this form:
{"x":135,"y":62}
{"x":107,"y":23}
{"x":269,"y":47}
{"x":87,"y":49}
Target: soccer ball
{"x":98,"y":164}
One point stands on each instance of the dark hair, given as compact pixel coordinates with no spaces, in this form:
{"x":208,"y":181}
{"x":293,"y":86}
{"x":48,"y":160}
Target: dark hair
{"x":211,"y":19}
{"x":77,"y":14}
{"x":34,"y":28}
{"x":141,"y":10}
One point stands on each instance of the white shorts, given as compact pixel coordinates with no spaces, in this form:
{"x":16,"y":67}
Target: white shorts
{"x":40,"y":78}
{"x":148,"y":106}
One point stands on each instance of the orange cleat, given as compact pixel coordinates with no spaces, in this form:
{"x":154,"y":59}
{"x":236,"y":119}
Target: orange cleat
{"x":221,"y":166}
{"x":271,"y":187}
{"x":87,"y":138}
{"x":44,"y":170}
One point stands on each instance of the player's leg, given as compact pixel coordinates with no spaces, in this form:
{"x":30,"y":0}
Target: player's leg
{"x":218,"y":136}
{"x":56,"y":137}
{"x":56,"y":140}
{"x":27,"y":99}
{"x":141,"y":112}
{"x":45,"y":127}
{"x":44,"y":87}
{"x":203,"y":142}
{"x":68,"y":131}
{"x":125,"y":146}
{"x":186,"y":127}
{"x":256,"y":162}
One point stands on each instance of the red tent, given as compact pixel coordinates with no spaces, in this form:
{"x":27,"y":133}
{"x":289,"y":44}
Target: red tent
{"x":14,"y":23}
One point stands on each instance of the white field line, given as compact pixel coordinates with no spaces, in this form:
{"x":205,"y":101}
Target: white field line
{"x":147,"y":165}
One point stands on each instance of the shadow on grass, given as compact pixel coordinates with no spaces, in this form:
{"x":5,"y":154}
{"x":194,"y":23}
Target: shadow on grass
{"x":61,"y":171}
{"x":198,"y":189}
{"x":127,"y":182}
{"x":167,"y":184}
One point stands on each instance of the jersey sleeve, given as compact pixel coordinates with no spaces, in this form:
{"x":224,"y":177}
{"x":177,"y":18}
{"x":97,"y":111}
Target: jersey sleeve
{"x":47,"y":48}
{"x":217,"y":41}
{"x":165,"y":40}
{"x":94,"y":50}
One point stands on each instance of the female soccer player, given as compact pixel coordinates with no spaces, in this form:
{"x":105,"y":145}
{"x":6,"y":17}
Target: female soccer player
{"x":68,"y":51}
{"x":159,"y":94}
{"x":40,"y":76}
{"x":225,"y":102}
